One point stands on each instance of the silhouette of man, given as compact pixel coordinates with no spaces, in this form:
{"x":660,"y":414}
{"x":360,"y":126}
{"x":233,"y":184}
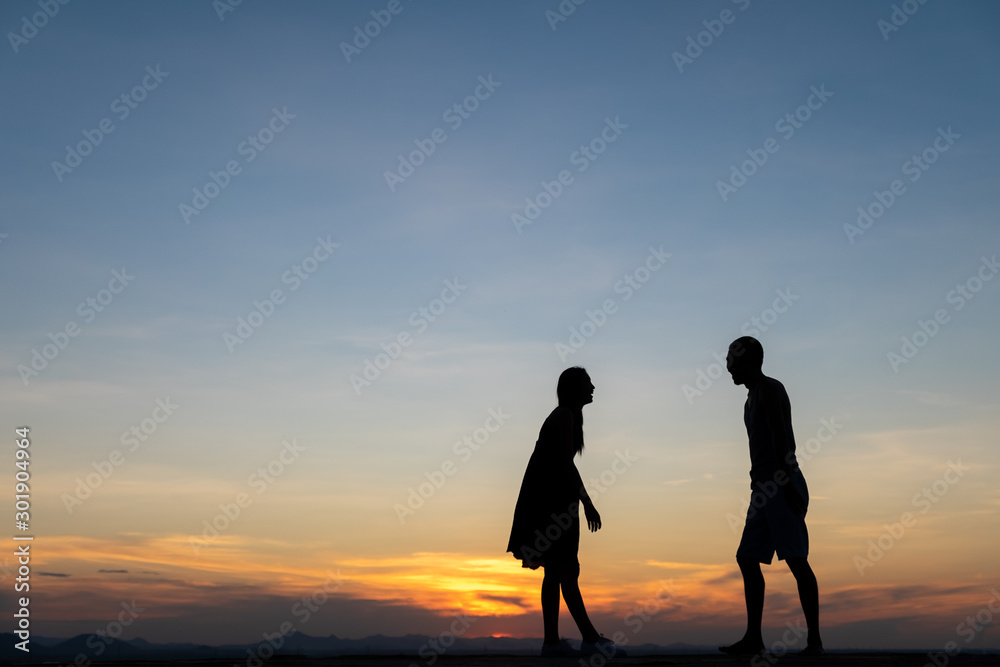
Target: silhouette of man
{"x":778,"y":499}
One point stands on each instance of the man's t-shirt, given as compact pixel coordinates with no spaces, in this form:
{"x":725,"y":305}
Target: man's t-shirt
{"x":764,"y":461}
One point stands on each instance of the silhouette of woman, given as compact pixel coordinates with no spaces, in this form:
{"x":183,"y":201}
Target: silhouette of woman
{"x":546,"y":528}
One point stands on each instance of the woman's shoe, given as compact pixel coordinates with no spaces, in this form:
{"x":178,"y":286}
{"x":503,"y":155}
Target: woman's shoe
{"x":561,"y":650}
{"x":604,"y":646}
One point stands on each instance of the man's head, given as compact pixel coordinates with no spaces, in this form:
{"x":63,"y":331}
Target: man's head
{"x":745,"y":358}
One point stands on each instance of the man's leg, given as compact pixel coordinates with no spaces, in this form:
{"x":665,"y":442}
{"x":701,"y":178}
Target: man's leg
{"x":753,"y":590}
{"x":756,"y":547}
{"x":808,"y":596}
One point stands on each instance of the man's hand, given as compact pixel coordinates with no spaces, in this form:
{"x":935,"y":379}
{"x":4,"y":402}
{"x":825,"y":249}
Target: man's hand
{"x":593,"y":516}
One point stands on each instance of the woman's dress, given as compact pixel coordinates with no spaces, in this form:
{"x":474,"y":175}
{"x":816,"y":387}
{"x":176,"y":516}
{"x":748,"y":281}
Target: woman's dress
{"x":546,"y":526}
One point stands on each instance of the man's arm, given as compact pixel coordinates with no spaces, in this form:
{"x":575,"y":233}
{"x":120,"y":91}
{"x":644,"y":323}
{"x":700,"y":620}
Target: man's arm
{"x":773,"y":401}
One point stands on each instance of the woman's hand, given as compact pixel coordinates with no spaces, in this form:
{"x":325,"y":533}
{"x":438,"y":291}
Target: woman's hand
{"x":593,"y":516}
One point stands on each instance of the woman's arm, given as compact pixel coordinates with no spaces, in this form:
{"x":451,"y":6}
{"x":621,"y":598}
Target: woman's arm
{"x":578,"y":481}
{"x":593,"y":516}
{"x":568,"y":450}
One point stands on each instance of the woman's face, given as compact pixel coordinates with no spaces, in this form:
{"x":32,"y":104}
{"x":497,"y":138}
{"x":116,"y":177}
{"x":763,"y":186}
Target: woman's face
{"x":586,"y":390}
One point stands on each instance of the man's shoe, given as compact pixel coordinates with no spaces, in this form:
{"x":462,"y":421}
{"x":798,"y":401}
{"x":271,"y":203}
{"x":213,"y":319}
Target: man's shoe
{"x":812,"y":651}
{"x":743,"y":648}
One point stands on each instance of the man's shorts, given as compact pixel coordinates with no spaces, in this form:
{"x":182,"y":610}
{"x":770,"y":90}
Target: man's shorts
{"x":771,"y":525}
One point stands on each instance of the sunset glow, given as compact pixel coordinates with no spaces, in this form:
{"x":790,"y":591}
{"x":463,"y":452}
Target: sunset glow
{"x":284,"y":336}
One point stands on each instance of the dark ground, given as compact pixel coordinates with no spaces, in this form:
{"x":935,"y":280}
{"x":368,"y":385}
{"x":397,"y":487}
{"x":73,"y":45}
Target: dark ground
{"x":708,"y":660}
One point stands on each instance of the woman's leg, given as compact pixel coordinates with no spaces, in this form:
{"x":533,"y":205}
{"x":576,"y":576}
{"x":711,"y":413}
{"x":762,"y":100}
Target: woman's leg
{"x":550,"y":605}
{"x":569,"y":579}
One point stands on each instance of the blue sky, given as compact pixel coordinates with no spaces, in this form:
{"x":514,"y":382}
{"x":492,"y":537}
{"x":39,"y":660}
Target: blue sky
{"x":655,"y":185}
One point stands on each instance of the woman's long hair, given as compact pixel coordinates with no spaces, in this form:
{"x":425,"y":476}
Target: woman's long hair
{"x":571,"y":384}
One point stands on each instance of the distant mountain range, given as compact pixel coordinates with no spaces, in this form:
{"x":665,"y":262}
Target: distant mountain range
{"x":95,"y":647}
